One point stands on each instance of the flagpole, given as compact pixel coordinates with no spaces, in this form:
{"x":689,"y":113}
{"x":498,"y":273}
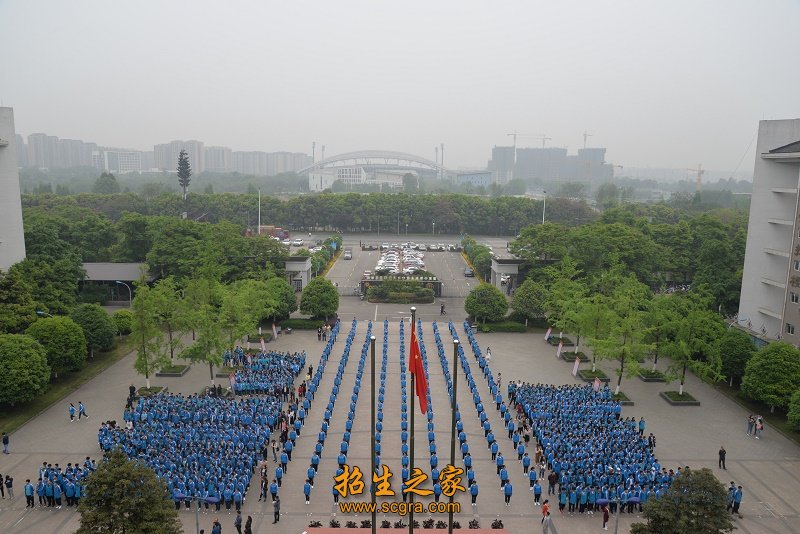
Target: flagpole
{"x":412,"y":410}
{"x":372,"y":432}
{"x":453,"y":403}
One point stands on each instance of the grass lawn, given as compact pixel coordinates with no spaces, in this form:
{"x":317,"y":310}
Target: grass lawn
{"x":776,"y":421}
{"x":13,"y":417}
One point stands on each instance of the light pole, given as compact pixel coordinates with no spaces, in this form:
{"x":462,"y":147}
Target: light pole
{"x":398,"y":223}
{"x":130,"y":293}
{"x":212,"y":500}
{"x":406,"y":229}
{"x":544,"y":206}
{"x":434,"y":227}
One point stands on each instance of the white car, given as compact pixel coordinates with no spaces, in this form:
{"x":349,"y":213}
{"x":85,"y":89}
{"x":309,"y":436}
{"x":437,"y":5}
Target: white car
{"x":297,"y":242}
{"x":286,"y":242}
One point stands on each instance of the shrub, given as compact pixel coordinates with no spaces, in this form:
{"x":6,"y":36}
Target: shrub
{"x":794,"y":409}
{"x":302,"y":324}
{"x":676,"y":396}
{"x":123,"y":321}
{"x":502,"y":326}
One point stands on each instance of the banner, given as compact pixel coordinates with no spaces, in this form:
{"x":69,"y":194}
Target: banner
{"x":232,"y":378}
{"x":576,"y":366}
{"x":560,"y":346}
{"x":596,"y":386}
{"x":547,"y":334}
{"x":263,"y":346}
{"x":274,"y":332}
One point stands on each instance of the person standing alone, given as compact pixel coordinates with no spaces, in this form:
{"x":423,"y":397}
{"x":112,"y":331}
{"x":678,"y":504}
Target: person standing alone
{"x":722,"y":453}
{"x":276,"y":508}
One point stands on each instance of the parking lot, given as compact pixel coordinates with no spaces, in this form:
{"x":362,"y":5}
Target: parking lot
{"x":447,"y":266}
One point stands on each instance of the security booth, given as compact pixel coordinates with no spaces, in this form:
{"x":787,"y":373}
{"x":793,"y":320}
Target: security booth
{"x":298,"y":271}
{"x":505,"y":273}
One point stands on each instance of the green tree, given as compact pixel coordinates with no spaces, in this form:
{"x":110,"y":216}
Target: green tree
{"x":794,"y":409}
{"x":529,"y":300}
{"x":625,"y":342}
{"x":184,"y":176}
{"x":25,"y":371}
{"x":53,"y":283}
{"x":204,"y":299}
{"x":660,"y":320}
{"x":736,"y":348}
{"x":123,"y":322}
{"x":594,"y":317}
{"x":17,"y":308}
{"x":695,"y":346}
{"x":63,"y":341}
{"x":239,"y":314}
{"x":319,"y":298}
{"x":150,"y":354}
{"x":284,"y":295}
{"x":773,"y":374}
{"x":106,"y":184}
{"x":486,"y":302}
{"x":410,"y":183}
{"x":695,"y":502}
{"x":97,"y":326}
{"x":171,"y":313}
{"x":126,"y":497}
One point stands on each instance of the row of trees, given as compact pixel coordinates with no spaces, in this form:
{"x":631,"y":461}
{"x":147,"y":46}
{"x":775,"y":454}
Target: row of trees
{"x":219,"y":315}
{"x":658,"y":245}
{"x":452,"y":213}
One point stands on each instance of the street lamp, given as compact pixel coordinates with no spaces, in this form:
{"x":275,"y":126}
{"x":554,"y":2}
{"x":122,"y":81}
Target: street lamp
{"x":434,"y":227}
{"x":130,"y":293}
{"x":406,"y":229}
{"x":41,"y":313}
{"x":544,"y":205}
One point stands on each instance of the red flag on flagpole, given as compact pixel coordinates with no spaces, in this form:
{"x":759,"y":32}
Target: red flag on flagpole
{"x":416,"y":368}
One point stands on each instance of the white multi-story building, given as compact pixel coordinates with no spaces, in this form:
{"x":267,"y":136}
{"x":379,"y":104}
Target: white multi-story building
{"x":769,"y":304}
{"x":218,"y":159}
{"x":12,"y":237}
{"x":116,"y":160}
{"x":321,"y":180}
{"x":166,"y":155}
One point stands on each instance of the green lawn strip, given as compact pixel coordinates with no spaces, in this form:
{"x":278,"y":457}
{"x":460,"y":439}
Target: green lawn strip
{"x":13,"y":417}
{"x":776,"y":421}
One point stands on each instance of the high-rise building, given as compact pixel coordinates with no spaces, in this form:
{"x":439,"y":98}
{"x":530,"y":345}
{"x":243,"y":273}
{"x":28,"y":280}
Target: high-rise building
{"x":166,"y":155}
{"x":542,"y":163}
{"x":502,"y":164}
{"x":42,"y":150}
{"x":218,"y":159}
{"x":252,"y":162}
{"x":116,"y":160}
{"x":22,"y":151}
{"x":12,"y":237}
{"x":769,"y":304}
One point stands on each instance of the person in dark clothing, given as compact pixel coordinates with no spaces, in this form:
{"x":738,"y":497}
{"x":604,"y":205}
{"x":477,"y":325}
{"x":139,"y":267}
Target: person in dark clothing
{"x":248,"y":526}
{"x":276,"y":506}
{"x":722,"y":453}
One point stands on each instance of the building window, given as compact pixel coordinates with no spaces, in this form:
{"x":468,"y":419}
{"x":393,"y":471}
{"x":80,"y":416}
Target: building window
{"x":790,"y":329}
{"x":794,"y":297}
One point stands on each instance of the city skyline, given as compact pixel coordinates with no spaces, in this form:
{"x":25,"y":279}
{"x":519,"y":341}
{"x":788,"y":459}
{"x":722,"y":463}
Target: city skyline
{"x":663,"y":85}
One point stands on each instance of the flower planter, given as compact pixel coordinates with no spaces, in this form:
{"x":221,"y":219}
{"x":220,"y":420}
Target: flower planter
{"x":555,"y":340}
{"x":588,"y":376}
{"x":175,"y":371}
{"x":155,"y":390}
{"x":623,"y":399}
{"x":652,"y":377}
{"x":569,"y":356}
{"x":688,"y":401}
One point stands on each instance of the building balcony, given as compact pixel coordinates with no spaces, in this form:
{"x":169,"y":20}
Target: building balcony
{"x":767,"y":311}
{"x":776,"y":252}
{"x":782,"y":222}
{"x":774,"y":283}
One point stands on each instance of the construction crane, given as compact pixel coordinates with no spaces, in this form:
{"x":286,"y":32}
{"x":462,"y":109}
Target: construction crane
{"x":699,"y":172}
{"x":543,"y":138}
{"x":585,"y":136}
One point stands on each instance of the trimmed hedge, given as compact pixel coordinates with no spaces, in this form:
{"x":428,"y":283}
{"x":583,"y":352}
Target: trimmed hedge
{"x":569,"y":356}
{"x":502,"y":326}
{"x":555,"y":340}
{"x":676,"y":397}
{"x":256,"y":338}
{"x":302,"y":324}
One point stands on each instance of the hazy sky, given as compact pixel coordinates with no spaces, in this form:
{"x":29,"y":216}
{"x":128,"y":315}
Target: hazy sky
{"x":662,"y":84}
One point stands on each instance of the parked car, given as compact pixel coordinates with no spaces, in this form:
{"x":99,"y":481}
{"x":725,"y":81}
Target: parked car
{"x":469,"y":273}
{"x":297,"y":242}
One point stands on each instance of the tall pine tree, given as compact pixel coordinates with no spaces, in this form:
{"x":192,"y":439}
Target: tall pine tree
{"x":184,"y":176}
